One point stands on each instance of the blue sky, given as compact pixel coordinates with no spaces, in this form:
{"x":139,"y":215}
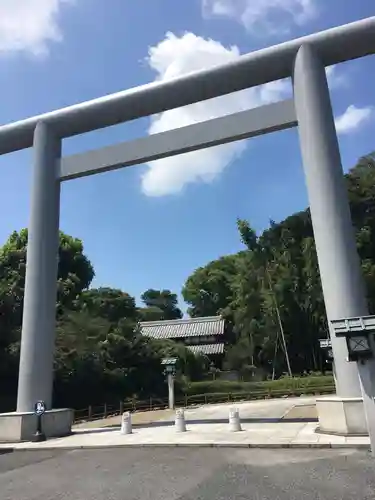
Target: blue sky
{"x":151,"y":226}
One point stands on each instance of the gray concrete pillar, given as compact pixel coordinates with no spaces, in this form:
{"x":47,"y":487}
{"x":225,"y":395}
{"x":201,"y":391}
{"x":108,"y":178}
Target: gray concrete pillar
{"x":170,"y":391}
{"x":339,"y":264}
{"x":39,"y":309}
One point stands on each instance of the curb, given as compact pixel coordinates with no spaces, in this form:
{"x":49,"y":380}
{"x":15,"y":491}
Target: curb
{"x":271,"y":446}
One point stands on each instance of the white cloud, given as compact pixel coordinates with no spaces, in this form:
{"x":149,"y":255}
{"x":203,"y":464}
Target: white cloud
{"x":335,"y":78}
{"x":263,"y":17}
{"x":175,"y":56}
{"x":28,"y":25}
{"x":353,"y":118}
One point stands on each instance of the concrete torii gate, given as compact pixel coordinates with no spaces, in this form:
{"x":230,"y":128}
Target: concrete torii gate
{"x":304,"y":60}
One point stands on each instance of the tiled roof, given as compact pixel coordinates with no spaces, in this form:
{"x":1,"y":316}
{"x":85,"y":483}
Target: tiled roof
{"x":206,"y":348}
{"x":182,"y":328}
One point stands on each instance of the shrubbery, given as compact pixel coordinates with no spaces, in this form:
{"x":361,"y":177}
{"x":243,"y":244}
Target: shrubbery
{"x":225,"y":386}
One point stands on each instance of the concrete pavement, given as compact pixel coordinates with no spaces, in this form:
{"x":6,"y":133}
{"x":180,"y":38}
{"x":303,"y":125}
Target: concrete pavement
{"x":187,"y":474}
{"x":265,"y":424}
{"x":273,"y":435}
{"x":139,"y":417}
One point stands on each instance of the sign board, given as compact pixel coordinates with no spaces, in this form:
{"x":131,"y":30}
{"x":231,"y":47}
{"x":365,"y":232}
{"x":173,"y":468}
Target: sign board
{"x":40,"y":407}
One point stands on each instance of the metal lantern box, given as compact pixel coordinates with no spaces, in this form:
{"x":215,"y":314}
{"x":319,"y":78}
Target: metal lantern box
{"x":170,"y":365}
{"x":357,"y":332}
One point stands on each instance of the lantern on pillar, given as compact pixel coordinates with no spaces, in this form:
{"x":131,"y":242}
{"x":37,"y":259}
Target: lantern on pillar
{"x":170,"y":372}
{"x":326,"y":345}
{"x":359,"y":336}
{"x":170,"y":365}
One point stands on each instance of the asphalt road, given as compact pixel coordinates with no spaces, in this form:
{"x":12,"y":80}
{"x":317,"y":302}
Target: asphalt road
{"x":187,"y":474}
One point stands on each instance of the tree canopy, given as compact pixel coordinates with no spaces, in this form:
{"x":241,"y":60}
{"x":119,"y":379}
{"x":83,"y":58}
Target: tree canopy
{"x":208,"y":290}
{"x":100,"y":354}
{"x":160,"y":305}
{"x":272,"y":291}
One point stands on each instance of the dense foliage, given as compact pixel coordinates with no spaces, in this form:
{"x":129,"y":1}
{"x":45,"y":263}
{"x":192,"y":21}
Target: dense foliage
{"x":159,"y":305}
{"x":100,"y":352}
{"x":272,"y":289}
{"x":232,"y":387}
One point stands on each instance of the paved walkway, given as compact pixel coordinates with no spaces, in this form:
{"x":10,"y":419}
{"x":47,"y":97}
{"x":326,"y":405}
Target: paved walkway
{"x":140,"y":417}
{"x":265,"y":424}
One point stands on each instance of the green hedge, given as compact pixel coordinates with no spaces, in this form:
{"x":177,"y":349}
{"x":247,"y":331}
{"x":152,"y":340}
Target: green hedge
{"x":221,"y":397}
{"x":226,"y":386}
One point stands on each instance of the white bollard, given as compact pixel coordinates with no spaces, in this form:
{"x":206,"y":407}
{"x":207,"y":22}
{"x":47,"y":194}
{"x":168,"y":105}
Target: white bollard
{"x":180,"y":424}
{"x":234,"y":420}
{"x":126,"y":423}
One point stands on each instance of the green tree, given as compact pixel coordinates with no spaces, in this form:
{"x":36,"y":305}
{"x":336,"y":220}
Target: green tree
{"x":75,"y":271}
{"x":79,"y":378}
{"x":208,"y":291}
{"x":164,"y":300}
{"x":109,"y":303}
{"x":152,"y":313}
{"x":361,"y":189}
{"x":98,"y":360}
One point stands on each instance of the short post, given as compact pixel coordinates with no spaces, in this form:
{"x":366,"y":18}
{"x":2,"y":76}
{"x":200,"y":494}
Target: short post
{"x":126,"y":423}
{"x":39,"y":409}
{"x":234,"y":420}
{"x":171,"y":391}
{"x":180,"y":423}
